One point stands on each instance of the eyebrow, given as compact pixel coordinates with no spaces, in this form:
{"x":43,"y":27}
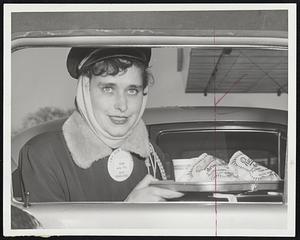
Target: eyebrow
{"x":135,"y":86}
{"x":106,"y":84}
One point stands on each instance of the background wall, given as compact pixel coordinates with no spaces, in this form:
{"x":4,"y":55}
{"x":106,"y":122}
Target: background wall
{"x":40,"y":78}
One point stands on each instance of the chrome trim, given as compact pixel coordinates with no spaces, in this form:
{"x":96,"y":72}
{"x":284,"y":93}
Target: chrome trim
{"x":218,"y":130}
{"x":220,"y":186}
{"x":154,"y":41}
{"x":279,"y":154}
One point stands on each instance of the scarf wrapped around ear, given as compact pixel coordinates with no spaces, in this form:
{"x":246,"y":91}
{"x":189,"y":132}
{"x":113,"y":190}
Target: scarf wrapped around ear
{"x":88,"y":141}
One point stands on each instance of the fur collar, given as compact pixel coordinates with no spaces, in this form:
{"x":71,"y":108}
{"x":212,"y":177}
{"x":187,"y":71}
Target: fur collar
{"x":86,"y":147}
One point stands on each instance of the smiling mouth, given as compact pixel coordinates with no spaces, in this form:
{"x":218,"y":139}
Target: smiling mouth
{"x":118,"y":120}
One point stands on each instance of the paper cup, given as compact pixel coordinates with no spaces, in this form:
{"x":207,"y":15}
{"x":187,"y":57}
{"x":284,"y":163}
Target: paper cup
{"x":183,"y":168}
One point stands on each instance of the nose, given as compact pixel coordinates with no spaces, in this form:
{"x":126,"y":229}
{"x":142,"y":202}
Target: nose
{"x":121,"y":102}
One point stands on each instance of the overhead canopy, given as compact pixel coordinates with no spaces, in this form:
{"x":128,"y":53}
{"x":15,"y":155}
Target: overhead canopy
{"x":237,"y":70}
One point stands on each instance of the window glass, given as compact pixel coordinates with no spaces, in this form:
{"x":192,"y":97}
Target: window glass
{"x":262,"y":147}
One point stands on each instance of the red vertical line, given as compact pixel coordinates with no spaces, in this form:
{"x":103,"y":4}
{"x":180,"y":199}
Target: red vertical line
{"x":229,"y":90}
{"x":215,"y":150}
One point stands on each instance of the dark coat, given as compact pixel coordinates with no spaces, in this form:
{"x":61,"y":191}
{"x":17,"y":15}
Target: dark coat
{"x":49,"y":173}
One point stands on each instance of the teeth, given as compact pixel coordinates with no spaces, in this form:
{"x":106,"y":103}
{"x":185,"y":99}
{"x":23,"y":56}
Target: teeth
{"x":119,"y":120}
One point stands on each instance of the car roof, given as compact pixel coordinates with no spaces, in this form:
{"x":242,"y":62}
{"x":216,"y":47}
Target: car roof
{"x":265,"y":27}
{"x":201,"y":114}
{"x":260,"y":22}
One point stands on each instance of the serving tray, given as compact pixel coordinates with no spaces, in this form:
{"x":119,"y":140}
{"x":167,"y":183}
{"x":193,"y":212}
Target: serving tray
{"x":230,"y":186}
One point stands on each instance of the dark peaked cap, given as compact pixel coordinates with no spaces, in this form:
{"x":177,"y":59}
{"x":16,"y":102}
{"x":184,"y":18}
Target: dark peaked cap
{"x":80,"y":57}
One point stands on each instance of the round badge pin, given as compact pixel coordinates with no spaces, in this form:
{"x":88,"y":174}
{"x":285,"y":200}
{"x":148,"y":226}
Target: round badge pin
{"x":120,"y":165}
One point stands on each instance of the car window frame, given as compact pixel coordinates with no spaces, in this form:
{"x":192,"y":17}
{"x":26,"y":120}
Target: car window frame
{"x":40,"y":39}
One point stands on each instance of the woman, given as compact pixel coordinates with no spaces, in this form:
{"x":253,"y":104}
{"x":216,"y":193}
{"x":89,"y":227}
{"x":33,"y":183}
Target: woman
{"x":102,"y":152}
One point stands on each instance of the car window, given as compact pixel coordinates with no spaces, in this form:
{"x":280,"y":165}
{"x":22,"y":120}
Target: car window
{"x":182,"y":76}
{"x":265,"y":148}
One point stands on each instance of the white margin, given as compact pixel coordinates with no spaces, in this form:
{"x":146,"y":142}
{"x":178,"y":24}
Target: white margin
{"x":292,"y":122}
{"x":7,"y":122}
{"x":141,"y":7}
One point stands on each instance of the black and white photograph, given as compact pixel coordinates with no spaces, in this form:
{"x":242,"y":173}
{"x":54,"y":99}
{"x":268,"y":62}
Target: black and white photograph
{"x":149,"y":119}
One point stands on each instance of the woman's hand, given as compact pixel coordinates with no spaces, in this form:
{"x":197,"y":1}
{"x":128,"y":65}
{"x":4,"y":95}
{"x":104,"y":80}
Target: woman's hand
{"x":144,"y":193}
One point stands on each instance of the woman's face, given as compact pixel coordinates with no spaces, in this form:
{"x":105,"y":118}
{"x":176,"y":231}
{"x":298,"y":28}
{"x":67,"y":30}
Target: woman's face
{"x":117,"y":100}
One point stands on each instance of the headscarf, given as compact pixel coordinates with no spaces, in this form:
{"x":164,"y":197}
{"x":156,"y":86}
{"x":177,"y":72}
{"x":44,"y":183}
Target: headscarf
{"x":85,"y":109}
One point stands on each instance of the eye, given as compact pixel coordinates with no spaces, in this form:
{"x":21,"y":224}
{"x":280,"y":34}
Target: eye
{"x":107,"y":89}
{"x":133,"y":91}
